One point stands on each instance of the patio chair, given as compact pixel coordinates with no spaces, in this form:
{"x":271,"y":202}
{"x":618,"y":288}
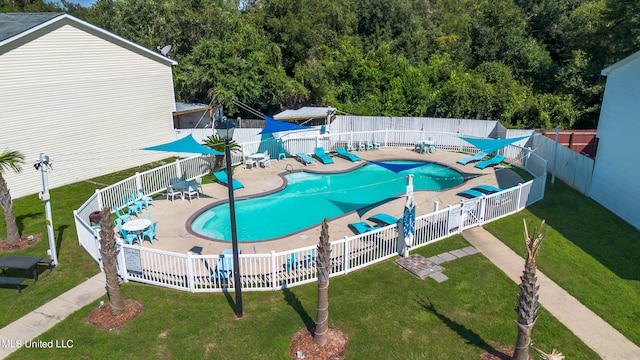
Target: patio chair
{"x":281,"y":152}
{"x":369,"y":145}
{"x":266,"y":160}
{"x":491,"y":162}
{"x":467,"y":159}
{"x":375,"y":144}
{"x":191,"y":192}
{"x":420,"y":147}
{"x":349,"y":145}
{"x":150,"y":233}
{"x":310,"y":259}
{"x":122,"y":216}
{"x":322,"y":155}
{"x":173,"y":193}
{"x":487,"y":189}
{"x":361,"y":145}
{"x":128,"y":237}
{"x":362,"y":227}
{"x":383,"y":219}
{"x":306,"y":159}
{"x":222,"y":178}
{"x":134,"y":208}
{"x":148,"y":200}
{"x":198,"y":181}
{"x":470,"y":193}
{"x":347,"y":155}
{"x":249,"y":162}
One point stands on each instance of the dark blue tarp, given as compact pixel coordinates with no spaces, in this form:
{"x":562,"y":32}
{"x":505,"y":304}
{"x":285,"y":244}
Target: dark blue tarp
{"x":396,"y":168}
{"x":274,"y":126}
{"x":491,"y":145}
{"x":185,"y":145}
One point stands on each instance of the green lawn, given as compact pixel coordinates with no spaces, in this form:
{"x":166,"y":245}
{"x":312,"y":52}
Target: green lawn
{"x":589,"y":251}
{"x":386,"y":312}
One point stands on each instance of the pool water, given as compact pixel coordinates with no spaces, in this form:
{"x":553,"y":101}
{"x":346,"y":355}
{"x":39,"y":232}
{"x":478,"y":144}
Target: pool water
{"x":310,"y":197}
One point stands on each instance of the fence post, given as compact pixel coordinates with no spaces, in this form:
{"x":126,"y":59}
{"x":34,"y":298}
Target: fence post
{"x":346,"y":256}
{"x":178,"y":169}
{"x":138,"y":181}
{"x":273,"y":271}
{"x":519,"y":195}
{"x":190,"y":273}
{"x":99,"y":197}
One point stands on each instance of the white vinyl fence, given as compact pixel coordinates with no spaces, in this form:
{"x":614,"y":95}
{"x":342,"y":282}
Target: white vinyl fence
{"x":277,"y":270}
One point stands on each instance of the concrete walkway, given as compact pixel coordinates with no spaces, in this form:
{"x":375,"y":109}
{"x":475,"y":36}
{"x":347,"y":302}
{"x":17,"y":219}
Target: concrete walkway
{"x":589,"y":327}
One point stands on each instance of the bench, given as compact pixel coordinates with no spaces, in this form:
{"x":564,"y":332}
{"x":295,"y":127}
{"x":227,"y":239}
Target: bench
{"x":12,"y":281}
{"x":46,"y":262}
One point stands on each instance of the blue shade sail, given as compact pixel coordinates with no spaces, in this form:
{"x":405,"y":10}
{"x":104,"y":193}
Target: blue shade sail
{"x":396,"y":168}
{"x":185,"y":145}
{"x":274,"y":126}
{"x":491,"y":145}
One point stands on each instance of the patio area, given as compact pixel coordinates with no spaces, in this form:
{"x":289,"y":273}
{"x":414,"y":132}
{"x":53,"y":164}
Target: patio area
{"x":172,"y":217}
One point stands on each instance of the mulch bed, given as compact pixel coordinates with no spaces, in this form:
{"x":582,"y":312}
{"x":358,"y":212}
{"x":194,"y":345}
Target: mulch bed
{"x":500,"y":354}
{"x":24,"y":243}
{"x":335,"y":349}
{"x":101,"y":317}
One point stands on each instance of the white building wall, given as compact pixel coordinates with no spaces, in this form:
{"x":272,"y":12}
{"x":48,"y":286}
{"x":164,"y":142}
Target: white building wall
{"x":86,"y":102}
{"x":617,"y":167}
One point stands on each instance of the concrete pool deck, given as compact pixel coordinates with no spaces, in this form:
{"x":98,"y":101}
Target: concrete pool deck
{"x":172,"y":217}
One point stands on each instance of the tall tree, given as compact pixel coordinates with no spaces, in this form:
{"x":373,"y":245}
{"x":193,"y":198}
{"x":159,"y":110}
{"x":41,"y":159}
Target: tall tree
{"x":109,"y":253}
{"x":9,"y":160}
{"x":323,"y":264}
{"x":527,"y":309}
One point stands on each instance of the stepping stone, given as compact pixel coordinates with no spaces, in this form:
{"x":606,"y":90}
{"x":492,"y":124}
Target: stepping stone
{"x":470,"y":250}
{"x":458,"y":253}
{"x":439,"y":277}
{"x":447,"y":256}
{"x":436,"y":260}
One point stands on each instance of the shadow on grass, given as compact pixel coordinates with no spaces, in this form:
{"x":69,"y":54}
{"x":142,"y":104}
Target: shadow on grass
{"x":295,"y":303}
{"x":469,"y":335}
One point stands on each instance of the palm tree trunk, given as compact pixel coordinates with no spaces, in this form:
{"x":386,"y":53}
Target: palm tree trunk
{"x":13,"y":233}
{"x":109,"y":254}
{"x":320,"y":335}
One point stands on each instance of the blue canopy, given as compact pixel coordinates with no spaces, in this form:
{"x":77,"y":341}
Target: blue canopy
{"x":274,"y":125}
{"x":396,"y":168}
{"x":491,"y":145}
{"x":185,"y":145}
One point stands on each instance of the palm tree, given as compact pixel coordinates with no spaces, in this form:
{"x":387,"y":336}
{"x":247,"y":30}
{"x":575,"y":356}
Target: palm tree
{"x":527,"y":309}
{"x":13,"y":160}
{"x":323,"y":265}
{"x":109,"y":253}
{"x":216,"y":143}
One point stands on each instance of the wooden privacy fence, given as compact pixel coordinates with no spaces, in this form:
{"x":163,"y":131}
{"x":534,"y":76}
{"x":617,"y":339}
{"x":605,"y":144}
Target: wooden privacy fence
{"x":272,"y":271}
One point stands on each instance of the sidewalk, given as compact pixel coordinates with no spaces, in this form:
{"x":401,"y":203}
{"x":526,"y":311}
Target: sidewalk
{"x":589,"y":327}
{"x":45,"y":317}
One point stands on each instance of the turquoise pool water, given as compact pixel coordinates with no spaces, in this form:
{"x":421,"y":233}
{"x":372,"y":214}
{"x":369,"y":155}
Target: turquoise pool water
{"x":310,"y":197}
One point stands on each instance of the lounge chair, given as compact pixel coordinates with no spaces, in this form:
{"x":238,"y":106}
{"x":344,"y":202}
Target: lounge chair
{"x":493,"y":161}
{"x":383,"y":219}
{"x":470,"y":193}
{"x":221,"y":176}
{"x":362,"y":227}
{"x":343,"y":153}
{"x":320,"y":154}
{"x":465,"y":160}
{"x":487,"y":189}
{"x":306,"y":159}
{"x":224,"y":268}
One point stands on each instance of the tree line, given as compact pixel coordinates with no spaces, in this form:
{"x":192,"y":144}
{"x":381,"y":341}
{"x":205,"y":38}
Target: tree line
{"x":529,"y":64}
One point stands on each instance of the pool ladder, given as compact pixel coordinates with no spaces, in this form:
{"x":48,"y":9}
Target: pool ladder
{"x":288,"y":168}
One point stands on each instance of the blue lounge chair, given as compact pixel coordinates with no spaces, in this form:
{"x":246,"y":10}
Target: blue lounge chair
{"x":465,"y":160}
{"x":362,"y":227}
{"x":306,"y":159}
{"x":487,"y":189}
{"x":221,"y":176}
{"x":383,"y":219}
{"x":292,"y":263}
{"x":322,"y":155}
{"x":347,"y":155}
{"x":224,"y":268}
{"x":470,"y":193}
{"x":493,"y":161}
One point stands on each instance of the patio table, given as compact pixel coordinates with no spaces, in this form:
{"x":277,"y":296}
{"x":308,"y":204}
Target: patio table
{"x":136,"y":226}
{"x":184,"y":185}
{"x":21,"y":263}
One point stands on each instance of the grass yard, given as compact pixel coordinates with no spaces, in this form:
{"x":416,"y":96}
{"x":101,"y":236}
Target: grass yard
{"x":589,"y":251}
{"x":386,"y":312}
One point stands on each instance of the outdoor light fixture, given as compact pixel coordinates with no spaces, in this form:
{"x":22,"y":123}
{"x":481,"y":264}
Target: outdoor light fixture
{"x":225,"y":131}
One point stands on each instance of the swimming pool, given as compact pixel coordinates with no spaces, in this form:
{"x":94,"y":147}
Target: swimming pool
{"x":308,"y":198}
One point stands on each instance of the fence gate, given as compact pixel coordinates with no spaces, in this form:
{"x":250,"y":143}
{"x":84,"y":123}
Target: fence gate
{"x":471,"y":211}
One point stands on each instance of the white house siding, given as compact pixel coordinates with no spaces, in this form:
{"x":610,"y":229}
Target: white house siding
{"x":87,"y":102}
{"x":616,"y":171}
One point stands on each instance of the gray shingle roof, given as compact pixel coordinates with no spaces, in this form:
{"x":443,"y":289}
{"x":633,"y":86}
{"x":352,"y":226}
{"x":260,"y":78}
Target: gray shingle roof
{"x":12,"y":24}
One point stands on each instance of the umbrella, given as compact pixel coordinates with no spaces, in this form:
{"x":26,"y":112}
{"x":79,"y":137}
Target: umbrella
{"x":274,"y":126}
{"x":409,"y":218}
{"x":185,"y":145}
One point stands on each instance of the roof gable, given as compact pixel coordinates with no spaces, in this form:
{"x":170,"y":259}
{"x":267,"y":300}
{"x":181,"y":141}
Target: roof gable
{"x":629,"y":59}
{"x":20,"y":28}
